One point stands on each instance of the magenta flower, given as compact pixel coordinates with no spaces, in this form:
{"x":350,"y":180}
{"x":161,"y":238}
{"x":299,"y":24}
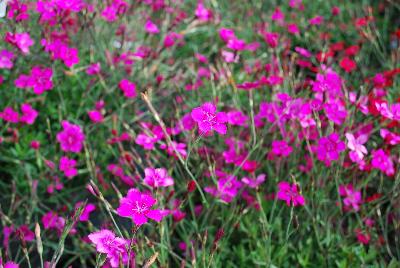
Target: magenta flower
{"x":9,"y":115}
{"x":151,"y":27}
{"x":114,"y":247}
{"x":254,"y":182}
{"x":68,"y":167}
{"x":208,"y":120}
{"x":290,"y":194}
{"x":202,"y":13}
{"x":95,"y":116}
{"x":281,"y":148}
{"x":137,"y":206}
{"x":128,"y":87}
{"x":382,"y":161}
{"x":329,"y":148}
{"x":6,"y":59}
{"x":227,"y":188}
{"x":146,"y":141}
{"x":28,"y":114}
{"x":11,"y":264}
{"x":71,"y":138}
{"x":352,"y":199}
{"x":89,"y":208}
{"x":21,"y":40}
{"x":237,"y":118}
{"x":356,"y":146}
{"x":336,"y":111}
{"x":157,"y":177}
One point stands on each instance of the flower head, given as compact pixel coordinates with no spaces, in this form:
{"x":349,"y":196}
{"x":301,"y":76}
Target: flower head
{"x":137,"y":205}
{"x":71,"y":138}
{"x":329,"y":148}
{"x":352,"y":198}
{"x":208,"y":120}
{"x":289,"y":193}
{"x":157,"y":177}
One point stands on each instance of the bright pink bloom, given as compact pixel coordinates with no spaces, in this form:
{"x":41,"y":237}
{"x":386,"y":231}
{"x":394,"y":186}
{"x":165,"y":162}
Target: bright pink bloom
{"x":93,"y":68}
{"x":9,"y":115}
{"x":329,"y":148}
{"x":157,"y":177}
{"x":208,"y":120}
{"x":290,"y":194}
{"x":6,"y":59}
{"x":202,"y":13}
{"x":390,"y":137}
{"x":226,"y":34}
{"x":137,"y":206}
{"x":237,"y":118}
{"x":26,"y":232}
{"x":71,"y":138}
{"x":11,"y":264}
{"x":254,"y":182}
{"x":28,"y":114}
{"x":356,"y":146}
{"x":128,"y":87}
{"x":95,"y":116}
{"x":17,"y":10}
{"x":227,"y":188}
{"x":51,"y":220}
{"x":147,"y":142}
{"x":382,"y":161}
{"x":68,"y":167}
{"x":40,"y":79}
{"x":281,"y":148}
{"x":352,"y":199}
{"x":151,"y":27}
{"x":89,"y":208}
{"x":336,"y":111}
{"x":21,"y":40}
{"x":316,"y":20}
{"x":114,"y":247}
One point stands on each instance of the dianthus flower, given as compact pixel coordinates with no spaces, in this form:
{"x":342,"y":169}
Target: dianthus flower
{"x":208,"y":120}
{"x":71,"y":138}
{"x":157,"y":177}
{"x":329,"y":148}
{"x":290,"y":194}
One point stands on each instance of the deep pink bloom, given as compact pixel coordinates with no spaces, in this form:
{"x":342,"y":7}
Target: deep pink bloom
{"x":202,"y":13}
{"x":254,"y":182}
{"x":21,"y":40}
{"x":17,"y":10}
{"x":137,"y":205}
{"x":237,"y":118}
{"x":208,"y":120}
{"x":51,"y":220}
{"x":89,"y":208}
{"x":290,"y":194}
{"x":71,"y":138}
{"x":115,"y":247}
{"x":382,"y":161}
{"x":281,"y":148}
{"x":6,"y":59}
{"x":157,"y":177}
{"x":356,"y":146}
{"x":226,"y":34}
{"x":26,"y":233}
{"x":95,"y":116}
{"x":28,"y":114}
{"x":40,"y":79}
{"x":335,"y":111}
{"x":329,"y":148}
{"x":147,"y":142}
{"x":390,"y":137}
{"x":9,"y":115}
{"x":352,"y":198}
{"x":68,"y":167}
{"x":151,"y":27}
{"x":93,"y":68}
{"x":227,"y":188}
{"x":11,"y":264}
{"x":128,"y":87}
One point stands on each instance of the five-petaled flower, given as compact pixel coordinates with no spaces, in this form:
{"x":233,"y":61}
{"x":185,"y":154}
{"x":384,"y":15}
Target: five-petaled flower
{"x":208,"y":120}
{"x":137,"y":205}
{"x":290,"y":194}
{"x":157,"y":177}
{"x":71,"y":138}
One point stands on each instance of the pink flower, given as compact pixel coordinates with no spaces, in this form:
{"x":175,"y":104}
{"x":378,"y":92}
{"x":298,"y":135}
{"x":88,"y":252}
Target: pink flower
{"x":336,"y":111}
{"x":390,"y":137}
{"x":6,"y":59}
{"x":9,"y":115}
{"x":157,"y":177}
{"x":226,"y":34}
{"x":202,"y":13}
{"x":382,"y":161}
{"x":69,"y":56}
{"x":110,"y":13}
{"x":11,"y":264}
{"x":146,"y":141}
{"x":137,"y":206}
{"x":316,"y":20}
{"x":237,"y":118}
{"x":254,"y":182}
{"x":281,"y":148}
{"x":93,"y":68}
{"x":151,"y":28}
{"x":40,"y":79}
{"x":352,"y":199}
{"x":71,"y":138}
{"x":356,"y":146}
{"x":227,"y":188}
{"x":17,"y":10}
{"x":329,"y":148}
{"x":236,"y":44}
{"x":51,"y":220}
{"x":128,"y":87}
{"x":21,"y":40}
{"x":68,"y":167}
{"x":89,"y":208}
{"x":28,"y":114}
{"x":114,"y":247}
{"x":208,"y":120}
{"x":289,"y":193}
{"x":95,"y":116}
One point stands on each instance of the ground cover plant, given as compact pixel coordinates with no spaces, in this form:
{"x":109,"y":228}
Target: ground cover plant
{"x":172,"y":133}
